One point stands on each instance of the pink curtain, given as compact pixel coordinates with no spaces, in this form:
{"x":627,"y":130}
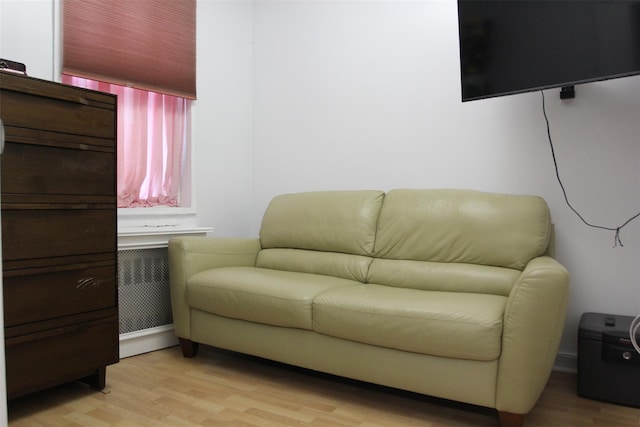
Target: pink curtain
{"x":152,"y":130}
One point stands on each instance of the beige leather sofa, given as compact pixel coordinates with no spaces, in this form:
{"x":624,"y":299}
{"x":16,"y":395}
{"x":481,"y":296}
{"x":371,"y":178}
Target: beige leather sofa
{"x":448,"y":293}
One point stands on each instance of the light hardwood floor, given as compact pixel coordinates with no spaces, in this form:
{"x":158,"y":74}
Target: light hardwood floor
{"x":224,"y":389}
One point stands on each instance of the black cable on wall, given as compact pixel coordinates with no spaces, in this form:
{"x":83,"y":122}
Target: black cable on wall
{"x":617,"y":240}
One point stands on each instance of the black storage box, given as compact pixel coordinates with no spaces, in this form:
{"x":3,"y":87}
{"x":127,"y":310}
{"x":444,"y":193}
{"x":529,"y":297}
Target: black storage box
{"x":608,"y":365}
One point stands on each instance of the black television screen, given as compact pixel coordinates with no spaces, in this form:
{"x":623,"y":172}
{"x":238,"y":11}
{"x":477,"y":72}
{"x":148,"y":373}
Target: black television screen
{"x":515,"y":46}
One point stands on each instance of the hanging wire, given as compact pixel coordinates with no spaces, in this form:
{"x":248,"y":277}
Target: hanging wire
{"x":634,"y":329}
{"x":616,"y":239}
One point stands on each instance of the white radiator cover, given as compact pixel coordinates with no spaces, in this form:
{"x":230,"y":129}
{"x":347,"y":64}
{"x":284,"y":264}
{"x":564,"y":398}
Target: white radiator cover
{"x":143,"y":289}
{"x":144,"y":298}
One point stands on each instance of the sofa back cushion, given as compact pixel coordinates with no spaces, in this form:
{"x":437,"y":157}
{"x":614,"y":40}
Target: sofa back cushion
{"x":327,"y":221}
{"x":325,"y":232}
{"x":463,"y":226}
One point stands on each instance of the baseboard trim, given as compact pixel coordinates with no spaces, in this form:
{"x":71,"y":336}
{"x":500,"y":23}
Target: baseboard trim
{"x":152,"y":339}
{"x":566,"y":362}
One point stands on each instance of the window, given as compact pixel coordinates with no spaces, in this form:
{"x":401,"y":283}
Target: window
{"x":143,"y":51}
{"x":153,"y":130}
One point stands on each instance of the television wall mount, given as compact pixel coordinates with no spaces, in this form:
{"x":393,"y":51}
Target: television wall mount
{"x":567,"y":92}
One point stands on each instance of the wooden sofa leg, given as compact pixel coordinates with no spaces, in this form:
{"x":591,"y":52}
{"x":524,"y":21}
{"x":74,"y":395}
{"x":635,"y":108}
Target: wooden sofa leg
{"x":188,"y":347}
{"x":507,"y":419}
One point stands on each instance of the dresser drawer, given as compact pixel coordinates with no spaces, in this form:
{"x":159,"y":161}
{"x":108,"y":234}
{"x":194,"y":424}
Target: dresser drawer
{"x":57,"y":291}
{"x":42,"y":170}
{"x":57,"y":232}
{"x":43,"y":360}
{"x":30,"y":110}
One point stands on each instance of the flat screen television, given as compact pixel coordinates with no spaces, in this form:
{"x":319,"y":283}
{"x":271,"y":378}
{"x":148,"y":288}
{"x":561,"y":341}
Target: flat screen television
{"x":515,"y":46}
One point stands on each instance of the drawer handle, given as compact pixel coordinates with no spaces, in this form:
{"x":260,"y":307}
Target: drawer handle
{"x":74,"y":99}
{"x":91,"y":283}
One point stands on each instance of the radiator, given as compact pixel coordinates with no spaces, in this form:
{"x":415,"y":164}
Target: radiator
{"x":143,"y":289}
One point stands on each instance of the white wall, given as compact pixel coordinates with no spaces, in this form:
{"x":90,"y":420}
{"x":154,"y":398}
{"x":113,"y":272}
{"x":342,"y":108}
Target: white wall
{"x":26,"y":35}
{"x":367,"y":95}
{"x":223,"y":128}
{"x":305,"y":95}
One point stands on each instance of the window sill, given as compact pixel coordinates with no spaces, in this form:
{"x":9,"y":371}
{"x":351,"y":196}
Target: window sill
{"x":156,"y":217}
{"x":153,"y":227}
{"x":156,"y":210}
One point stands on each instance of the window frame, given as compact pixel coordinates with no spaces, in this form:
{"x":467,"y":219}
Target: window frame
{"x":141,"y":218}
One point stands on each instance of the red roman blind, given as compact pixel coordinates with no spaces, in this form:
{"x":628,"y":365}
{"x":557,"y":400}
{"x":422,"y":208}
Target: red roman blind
{"x":146,"y":44}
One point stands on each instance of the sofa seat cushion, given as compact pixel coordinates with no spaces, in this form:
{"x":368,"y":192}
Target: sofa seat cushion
{"x":448,"y":324}
{"x":273,"y":297}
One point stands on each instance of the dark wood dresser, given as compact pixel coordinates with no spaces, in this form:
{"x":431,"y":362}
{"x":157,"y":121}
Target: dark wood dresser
{"x":59,"y":234}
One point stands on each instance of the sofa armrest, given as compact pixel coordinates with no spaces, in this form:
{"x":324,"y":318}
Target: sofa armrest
{"x":190,"y":255}
{"x":533,"y":322}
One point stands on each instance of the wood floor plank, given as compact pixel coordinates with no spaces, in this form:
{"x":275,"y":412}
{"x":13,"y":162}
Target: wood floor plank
{"x":218,"y":389}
